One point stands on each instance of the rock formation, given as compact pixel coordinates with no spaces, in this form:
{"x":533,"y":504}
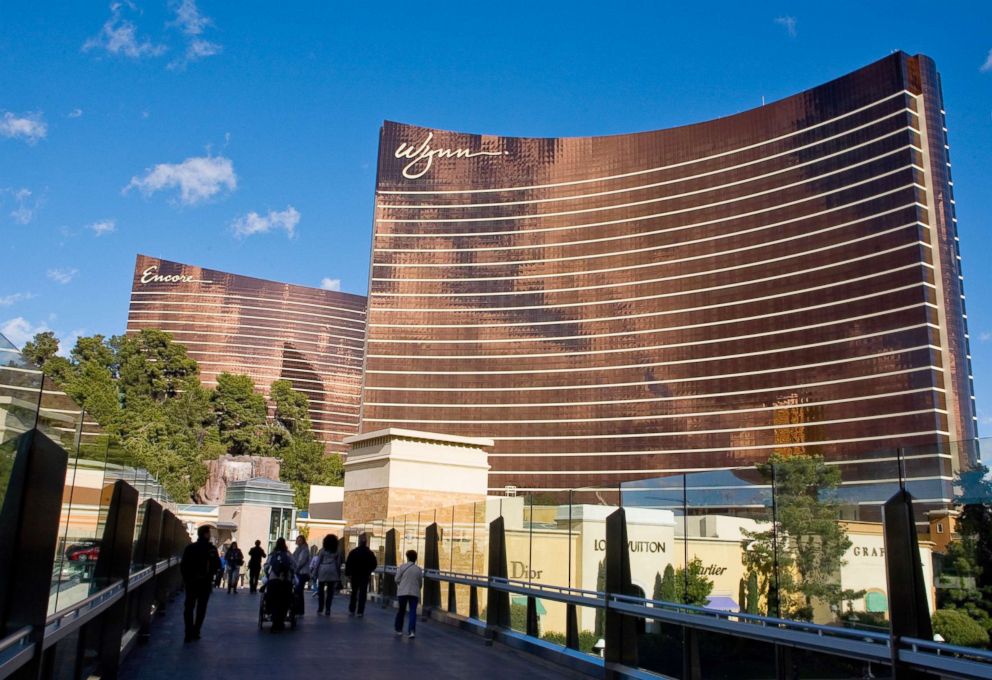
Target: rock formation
{"x":227,"y":469}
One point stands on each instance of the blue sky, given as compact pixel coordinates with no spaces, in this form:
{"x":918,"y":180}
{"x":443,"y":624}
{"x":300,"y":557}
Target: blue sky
{"x":242,"y":136}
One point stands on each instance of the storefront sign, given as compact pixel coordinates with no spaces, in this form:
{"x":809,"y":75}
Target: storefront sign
{"x":520,"y":570}
{"x":865,"y":551}
{"x":599,"y":545}
{"x":422,"y":156}
{"x":151,"y":275}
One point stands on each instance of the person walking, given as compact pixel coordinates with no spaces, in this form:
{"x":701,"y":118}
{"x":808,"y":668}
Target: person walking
{"x":328,"y":573}
{"x":301,"y":558}
{"x":280,"y":570}
{"x":234,"y":558}
{"x":409,"y":581}
{"x":198,"y":565}
{"x":255,"y":557}
{"x":358,"y":567}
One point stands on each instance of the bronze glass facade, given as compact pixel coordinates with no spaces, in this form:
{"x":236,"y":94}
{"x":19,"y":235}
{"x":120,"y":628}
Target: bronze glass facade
{"x":608,"y":308}
{"x":267,"y":330}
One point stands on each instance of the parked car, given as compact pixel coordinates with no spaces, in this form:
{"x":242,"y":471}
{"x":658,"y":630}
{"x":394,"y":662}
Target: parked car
{"x":83,"y":552}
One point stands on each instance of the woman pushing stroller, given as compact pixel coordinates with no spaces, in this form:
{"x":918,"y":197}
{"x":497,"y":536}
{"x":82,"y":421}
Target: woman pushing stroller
{"x":280,"y":572}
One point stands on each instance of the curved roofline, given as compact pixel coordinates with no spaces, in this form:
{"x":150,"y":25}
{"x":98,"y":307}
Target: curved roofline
{"x":898,"y":54}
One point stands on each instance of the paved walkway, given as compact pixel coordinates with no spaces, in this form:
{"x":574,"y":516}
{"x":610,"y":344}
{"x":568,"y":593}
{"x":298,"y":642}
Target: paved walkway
{"x":320,"y":647}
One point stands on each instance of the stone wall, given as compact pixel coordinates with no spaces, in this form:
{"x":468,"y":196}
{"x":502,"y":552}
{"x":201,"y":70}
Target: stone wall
{"x":227,"y":469}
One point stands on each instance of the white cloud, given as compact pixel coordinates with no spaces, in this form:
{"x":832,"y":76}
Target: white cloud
{"x":197,"y":178}
{"x":25,"y":207}
{"x":62,"y":276}
{"x":192,"y":24}
{"x":30,"y":127}
{"x":330,"y":284}
{"x":75,"y":113}
{"x":118,"y":36}
{"x":14,"y":298}
{"x":253,"y":223}
{"x":189,"y":19}
{"x":103,"y":227}
{"x":985,"y":336}
{"x":19,"y":330}
{"x":987,"y":66}
{"x":789,"y":23}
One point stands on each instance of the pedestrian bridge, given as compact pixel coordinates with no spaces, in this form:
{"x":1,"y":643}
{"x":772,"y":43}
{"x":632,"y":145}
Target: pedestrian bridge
{"x":232,"y":645}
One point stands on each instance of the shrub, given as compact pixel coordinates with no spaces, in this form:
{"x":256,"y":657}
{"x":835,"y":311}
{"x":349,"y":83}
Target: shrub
{"x":587,"y":640}
{"x":957,"y":628}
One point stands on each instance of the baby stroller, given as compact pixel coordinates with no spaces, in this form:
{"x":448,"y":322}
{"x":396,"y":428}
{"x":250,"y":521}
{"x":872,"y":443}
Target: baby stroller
{"x":276,"y":601}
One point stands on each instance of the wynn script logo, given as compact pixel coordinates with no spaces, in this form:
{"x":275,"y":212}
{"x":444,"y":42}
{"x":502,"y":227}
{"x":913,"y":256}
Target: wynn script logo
{"x":151,"y":275}
{"x":422,"y":156}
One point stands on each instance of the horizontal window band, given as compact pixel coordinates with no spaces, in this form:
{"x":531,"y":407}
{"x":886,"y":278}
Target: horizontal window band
{"x":719,"y":357}
{"x":696,"y":433}
{"x":606,"y":369}
{"x":726,"y":449}
{"x":645,"y":315}
{"x":683,"y":398}
{"x":716,"y":189}
{"x":718,"y":237}
{"x":633,"y":204}
{"x":705,"y":272}
{"x":319,"y":370}
{"x":900,"y":131}
{"x":360,"y":328}
{"x":227,"y":299}
{"x":722,"y":154}
{"x":641,"y":298}
{"x":660,"y":416}
{"x":752,"y":225}
{"x":625,"y":334}
{"x":182,"y":331}
{"x":599,"y":386}
{"x":265,"y":351}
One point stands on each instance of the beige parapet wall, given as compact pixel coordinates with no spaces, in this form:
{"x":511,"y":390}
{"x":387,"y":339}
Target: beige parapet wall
{"x":396,"y":471}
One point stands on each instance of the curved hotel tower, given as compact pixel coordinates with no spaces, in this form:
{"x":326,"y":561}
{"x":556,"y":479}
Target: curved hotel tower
{"x":607,"y":308}
{"x":267,"y":330}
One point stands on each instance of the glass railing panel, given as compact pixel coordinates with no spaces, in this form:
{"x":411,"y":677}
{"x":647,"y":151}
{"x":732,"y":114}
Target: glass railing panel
{"x":831,"y":561}
{"x":552,"y":558}
{"x":85,"y":502}
{"x":959,"y":538}
{"x":516,"y":512}
{"x":586,"y":520}
{"x":20,"y":389}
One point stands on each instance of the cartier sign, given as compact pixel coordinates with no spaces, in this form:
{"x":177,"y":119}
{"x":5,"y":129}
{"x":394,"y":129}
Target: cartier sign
{"x":151,"y":275}
{"x":421,"y":156}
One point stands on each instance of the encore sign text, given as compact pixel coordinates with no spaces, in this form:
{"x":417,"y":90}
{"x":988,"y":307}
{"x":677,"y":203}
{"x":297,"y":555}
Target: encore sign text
{"x":151,"y":275}
{"x":422,"y":156}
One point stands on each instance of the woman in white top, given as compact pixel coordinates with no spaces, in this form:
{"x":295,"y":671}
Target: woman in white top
{"x":409,"y":580}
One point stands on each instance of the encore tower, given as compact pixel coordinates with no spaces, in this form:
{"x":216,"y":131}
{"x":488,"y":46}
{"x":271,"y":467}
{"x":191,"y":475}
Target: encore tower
{"x":267,"y":330}
{"x":608,"y":308}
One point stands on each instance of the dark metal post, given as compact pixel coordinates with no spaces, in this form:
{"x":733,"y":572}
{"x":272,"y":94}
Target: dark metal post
{"x":497,"y":601}
{"x":571,"y":626}
{"x":533,"y":629}
{"x":908,"y":610}
{"x":146,"y":554}
{"x":432,"y":561}
{"x":29,"y":529}
{"x":388,"y":590}
{"x":114,"y":564}
{"x":452,"y":599}
{"x":621,"y":631}
{"x":473,"y":602}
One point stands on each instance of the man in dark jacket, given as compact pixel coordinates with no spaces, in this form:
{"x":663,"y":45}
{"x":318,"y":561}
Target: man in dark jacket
{"x":199,"y":564}
{"x":358,"y":567}
{"x":255,"y":557}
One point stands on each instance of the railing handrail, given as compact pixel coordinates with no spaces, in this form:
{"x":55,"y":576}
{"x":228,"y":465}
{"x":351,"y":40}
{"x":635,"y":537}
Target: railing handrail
{"x":15,"y":638}
{"x":932,"y":645}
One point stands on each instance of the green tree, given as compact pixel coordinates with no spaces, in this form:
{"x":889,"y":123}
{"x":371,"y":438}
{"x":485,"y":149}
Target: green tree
{"x":304,"y":461}
{"x":807,"y":535}
{"x":600,"y":622}
{"x":752,"y":593}
{"x":151,"y":365}
{"x":691,"y":585}
{"x":42,"y":348}
{"x":240,"y":413}
{"x":957,"y":628}
{"x":667,"y":591}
